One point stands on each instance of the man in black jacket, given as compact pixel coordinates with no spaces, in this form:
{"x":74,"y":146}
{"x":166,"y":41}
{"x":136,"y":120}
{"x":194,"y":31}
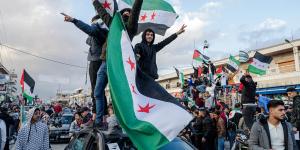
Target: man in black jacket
{"x":295,"y":117}
{"x":97,"y":32}
{"x":207,"y":131}
{"x":248,"y":99}
{"x":8,"y":122}
{"x":146,"y":51}
{"x":130,"y":18}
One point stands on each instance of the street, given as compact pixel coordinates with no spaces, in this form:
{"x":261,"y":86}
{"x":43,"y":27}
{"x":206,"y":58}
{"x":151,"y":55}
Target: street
{"x":53,"y":146}
{"x":58,"y":146}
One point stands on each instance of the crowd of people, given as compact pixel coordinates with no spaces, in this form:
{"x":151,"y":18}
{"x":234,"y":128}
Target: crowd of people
{"x":222,"y":110}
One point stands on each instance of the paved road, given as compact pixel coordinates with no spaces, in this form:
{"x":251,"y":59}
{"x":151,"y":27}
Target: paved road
{"x":58,"y":146}
{"x":54,"y":146}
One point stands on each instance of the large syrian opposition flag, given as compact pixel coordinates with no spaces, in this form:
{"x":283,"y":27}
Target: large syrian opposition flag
{"x":260,"y":63}
{"x":146,"y":111}
{"x":200,"y":57}
{"x":27,"y":85}
{"x":158,"y":15}
{"x":233,"y":64}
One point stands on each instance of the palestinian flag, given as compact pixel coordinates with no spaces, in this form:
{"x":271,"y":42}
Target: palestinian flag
{"x":233,"y":64}
{"x":243,"y":56}
{"x":27,"y":85}
{"x":219,"y":71}
{"x":200,"y":57}
{"x":158,"y":15}
{"x":109,"y":5}
{"x":150,"y":116}
{"x":180,"y":75}
{"x":260,"y":63}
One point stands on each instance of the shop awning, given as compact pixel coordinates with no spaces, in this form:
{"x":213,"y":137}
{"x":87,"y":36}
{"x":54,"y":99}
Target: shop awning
{"x":276,"y":90}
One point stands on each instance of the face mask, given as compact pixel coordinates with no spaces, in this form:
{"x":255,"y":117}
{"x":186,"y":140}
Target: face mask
{"x":125,"y":18}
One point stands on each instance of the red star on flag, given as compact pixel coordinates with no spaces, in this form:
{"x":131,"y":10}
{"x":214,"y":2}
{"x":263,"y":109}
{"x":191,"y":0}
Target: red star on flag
{"x":153,"y":15}
{"x":106,"y":5}
{"x":251,"y":60}
{"x":132,"y":65}
{"x":133,"y":89}
{"x":143,"y":18}
{"x":145,"y":109}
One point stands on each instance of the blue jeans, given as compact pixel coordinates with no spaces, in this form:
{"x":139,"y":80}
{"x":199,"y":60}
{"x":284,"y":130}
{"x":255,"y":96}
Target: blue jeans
{"x":231,"y":136}
{"x":201,"y":88}
{"x":220,"y":143}
{"x":99,"y":92}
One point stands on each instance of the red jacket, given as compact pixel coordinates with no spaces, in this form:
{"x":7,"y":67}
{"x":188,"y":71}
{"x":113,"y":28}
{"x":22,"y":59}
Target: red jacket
{"x":57,"y":108}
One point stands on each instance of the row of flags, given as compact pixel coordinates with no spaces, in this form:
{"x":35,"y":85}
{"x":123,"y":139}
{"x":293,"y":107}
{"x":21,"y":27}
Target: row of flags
{"x":257,"y":65}
{"x":159,"y":15}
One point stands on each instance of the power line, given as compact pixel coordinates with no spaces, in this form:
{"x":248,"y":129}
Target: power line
{"x":41,"y":57}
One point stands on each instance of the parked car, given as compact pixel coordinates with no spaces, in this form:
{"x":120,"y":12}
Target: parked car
{"x":59,"y":128}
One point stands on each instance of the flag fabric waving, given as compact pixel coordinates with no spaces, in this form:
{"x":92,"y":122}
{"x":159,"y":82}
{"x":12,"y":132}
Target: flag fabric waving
{"x":109,"y":5}
{"x":27,"y":85}
{"x":158,"y":15}
{"x":219,"y":71}
{"x":233,"y":64}
{"x":145,"y":110}
{"x":260,"y":63}
{"x":180,"y":75}
{"x":200,"y":57}
{"x":243,"y":57}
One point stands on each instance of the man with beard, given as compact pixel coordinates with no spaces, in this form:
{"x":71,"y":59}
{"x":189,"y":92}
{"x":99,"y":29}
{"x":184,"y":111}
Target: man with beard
{"x":272,"y":132}
{"x":130,"y":18}
{"x":146,"y":50}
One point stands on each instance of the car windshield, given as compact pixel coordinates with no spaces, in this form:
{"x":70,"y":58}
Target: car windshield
{"x":66,"y":119}
{"x":177,"y":144}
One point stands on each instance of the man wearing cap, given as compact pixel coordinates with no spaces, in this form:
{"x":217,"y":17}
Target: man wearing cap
{"x":295,"y":117}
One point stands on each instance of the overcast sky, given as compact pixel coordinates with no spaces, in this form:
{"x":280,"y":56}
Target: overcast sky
{"x":229,"y":26}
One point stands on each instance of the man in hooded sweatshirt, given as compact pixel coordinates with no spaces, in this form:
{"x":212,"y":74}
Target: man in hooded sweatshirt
{"x":146,"y":51}
{"x":130,"y":18}
{"x":34,"y":134}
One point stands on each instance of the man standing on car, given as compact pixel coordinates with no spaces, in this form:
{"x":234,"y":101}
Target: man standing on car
{"x":248,"y":99}
{"x":97,"y":32}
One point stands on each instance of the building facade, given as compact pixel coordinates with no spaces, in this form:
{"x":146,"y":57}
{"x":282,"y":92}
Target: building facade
{"x":283,"y":71}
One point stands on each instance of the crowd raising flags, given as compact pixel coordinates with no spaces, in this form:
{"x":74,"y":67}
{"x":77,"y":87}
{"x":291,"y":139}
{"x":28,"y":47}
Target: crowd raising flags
{"x":145,"y":110}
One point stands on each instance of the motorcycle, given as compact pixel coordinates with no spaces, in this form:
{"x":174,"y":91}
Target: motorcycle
{"x":241,"y":140}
